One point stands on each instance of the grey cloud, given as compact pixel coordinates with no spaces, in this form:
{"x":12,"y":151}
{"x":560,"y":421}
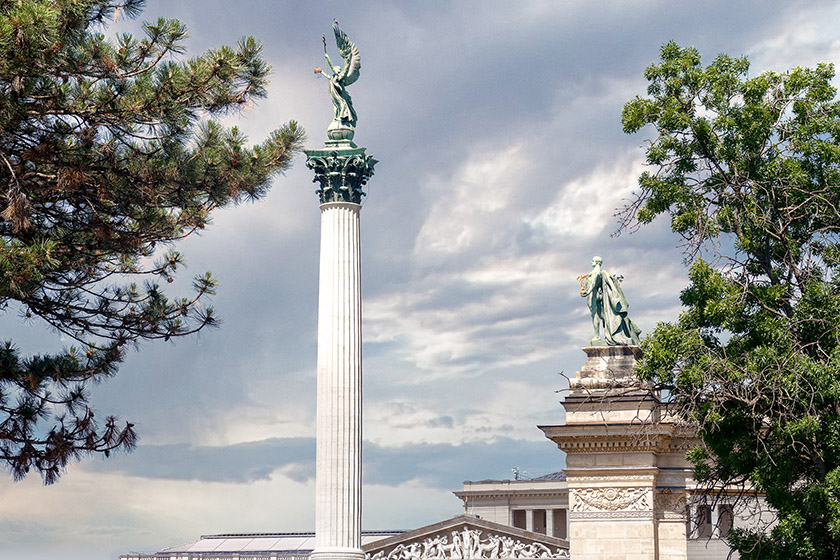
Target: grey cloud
{"x":446,"y":466}
{"x":436,"y":465}
{"x":441,"y":422}
{"x":240,"y":463}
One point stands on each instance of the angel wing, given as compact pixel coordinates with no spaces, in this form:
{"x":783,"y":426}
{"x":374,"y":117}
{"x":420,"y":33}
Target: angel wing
{"x":350,"y":53}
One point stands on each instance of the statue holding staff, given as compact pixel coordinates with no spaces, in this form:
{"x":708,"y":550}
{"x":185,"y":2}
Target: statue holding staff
{"x":344,"y":116}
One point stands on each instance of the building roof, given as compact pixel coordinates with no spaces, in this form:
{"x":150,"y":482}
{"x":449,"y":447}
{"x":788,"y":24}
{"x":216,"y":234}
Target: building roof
{"x":251,"y":544}
{"x":289,"y":543}
{"x":559,"y":475}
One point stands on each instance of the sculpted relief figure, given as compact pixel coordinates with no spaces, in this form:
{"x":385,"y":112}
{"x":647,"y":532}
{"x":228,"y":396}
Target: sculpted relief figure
{"x":490,"y":548}
{"x":537,"y":550}
{"x":433,"y":547}
{"x":608,"y":307}
{"x":457,"y":547}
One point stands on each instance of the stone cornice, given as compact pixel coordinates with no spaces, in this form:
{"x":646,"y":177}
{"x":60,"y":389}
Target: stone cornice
{"x":487,"y":494}
{"x":598,"y":474}
{"x":621,"y":438}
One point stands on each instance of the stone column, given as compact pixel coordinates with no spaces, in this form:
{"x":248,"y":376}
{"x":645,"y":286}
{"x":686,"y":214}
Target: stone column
{"x":549,"y":522}
{"x":529,"y":520}
{"x":568,"y":518}
{"x":715,"y":521}
{"x":339,"y":414}
{"x":341,"y":169}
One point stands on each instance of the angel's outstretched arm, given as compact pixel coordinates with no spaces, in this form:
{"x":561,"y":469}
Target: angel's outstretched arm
{"x":333,"y":68}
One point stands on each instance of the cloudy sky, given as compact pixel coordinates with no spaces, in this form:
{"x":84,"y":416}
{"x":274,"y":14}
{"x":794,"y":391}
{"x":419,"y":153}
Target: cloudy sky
{"x":502,"y":161}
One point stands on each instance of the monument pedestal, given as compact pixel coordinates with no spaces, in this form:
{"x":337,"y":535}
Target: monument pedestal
{"x":626,"y":469}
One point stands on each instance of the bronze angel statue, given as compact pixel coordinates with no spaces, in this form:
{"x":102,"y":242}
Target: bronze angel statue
{"x":344,"y":121}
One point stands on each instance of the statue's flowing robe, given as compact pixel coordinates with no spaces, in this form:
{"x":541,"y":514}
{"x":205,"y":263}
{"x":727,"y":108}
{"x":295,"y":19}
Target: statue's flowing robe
{"x":343,"y":107}
{"x":619,"y":328}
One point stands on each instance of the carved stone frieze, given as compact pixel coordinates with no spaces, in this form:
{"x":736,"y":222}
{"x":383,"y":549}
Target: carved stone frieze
{"x":610,"y":499}
{"x":610,"y":479}
{"x":611,"y":515}
{"x":670,"y":504}
{"x":469,"y":543}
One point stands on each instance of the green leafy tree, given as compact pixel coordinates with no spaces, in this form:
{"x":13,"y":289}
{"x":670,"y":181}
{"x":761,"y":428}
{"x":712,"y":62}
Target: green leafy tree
{"x":109,"y":153}
{"x":748,"y":170}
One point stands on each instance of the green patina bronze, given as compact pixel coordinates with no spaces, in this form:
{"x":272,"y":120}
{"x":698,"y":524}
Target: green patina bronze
{"x":344,"y":116}
{"x":341,"y":168}
{"x":608,"y":306}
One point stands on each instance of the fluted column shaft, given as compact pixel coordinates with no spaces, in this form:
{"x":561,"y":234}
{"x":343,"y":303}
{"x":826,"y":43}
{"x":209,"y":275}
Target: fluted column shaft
{"x":338,"y":472}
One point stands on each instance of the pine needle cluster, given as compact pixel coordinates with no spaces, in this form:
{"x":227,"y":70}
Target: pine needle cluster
{"x":110,"y":151}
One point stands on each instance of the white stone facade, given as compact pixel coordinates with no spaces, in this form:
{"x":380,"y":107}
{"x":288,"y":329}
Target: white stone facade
{"x":630,"y":487}
{"x":539,"y":505}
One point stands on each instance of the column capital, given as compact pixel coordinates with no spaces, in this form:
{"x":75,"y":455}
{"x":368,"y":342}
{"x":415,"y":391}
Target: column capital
{"x":341,"y":169}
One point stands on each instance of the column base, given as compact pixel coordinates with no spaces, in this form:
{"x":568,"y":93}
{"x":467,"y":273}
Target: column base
{"x":337,"y":553}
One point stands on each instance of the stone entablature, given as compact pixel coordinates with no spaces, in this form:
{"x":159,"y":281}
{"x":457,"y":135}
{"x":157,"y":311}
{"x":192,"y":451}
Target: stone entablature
{"x":649,"y":438}
{"x":521,"y":490}
{"x":511,"y":493}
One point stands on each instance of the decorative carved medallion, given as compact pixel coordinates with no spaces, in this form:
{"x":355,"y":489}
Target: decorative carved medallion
{"x":469,"y":543}
{"x":610,"y":499}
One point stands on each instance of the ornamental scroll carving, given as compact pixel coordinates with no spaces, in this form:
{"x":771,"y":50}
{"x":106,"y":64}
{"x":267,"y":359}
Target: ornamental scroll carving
{"x":610,"y":499}
{"x":469,"y":543}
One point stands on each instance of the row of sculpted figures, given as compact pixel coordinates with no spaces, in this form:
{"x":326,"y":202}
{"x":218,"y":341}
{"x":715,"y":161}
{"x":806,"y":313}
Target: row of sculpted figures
{"x":469,"y":543}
